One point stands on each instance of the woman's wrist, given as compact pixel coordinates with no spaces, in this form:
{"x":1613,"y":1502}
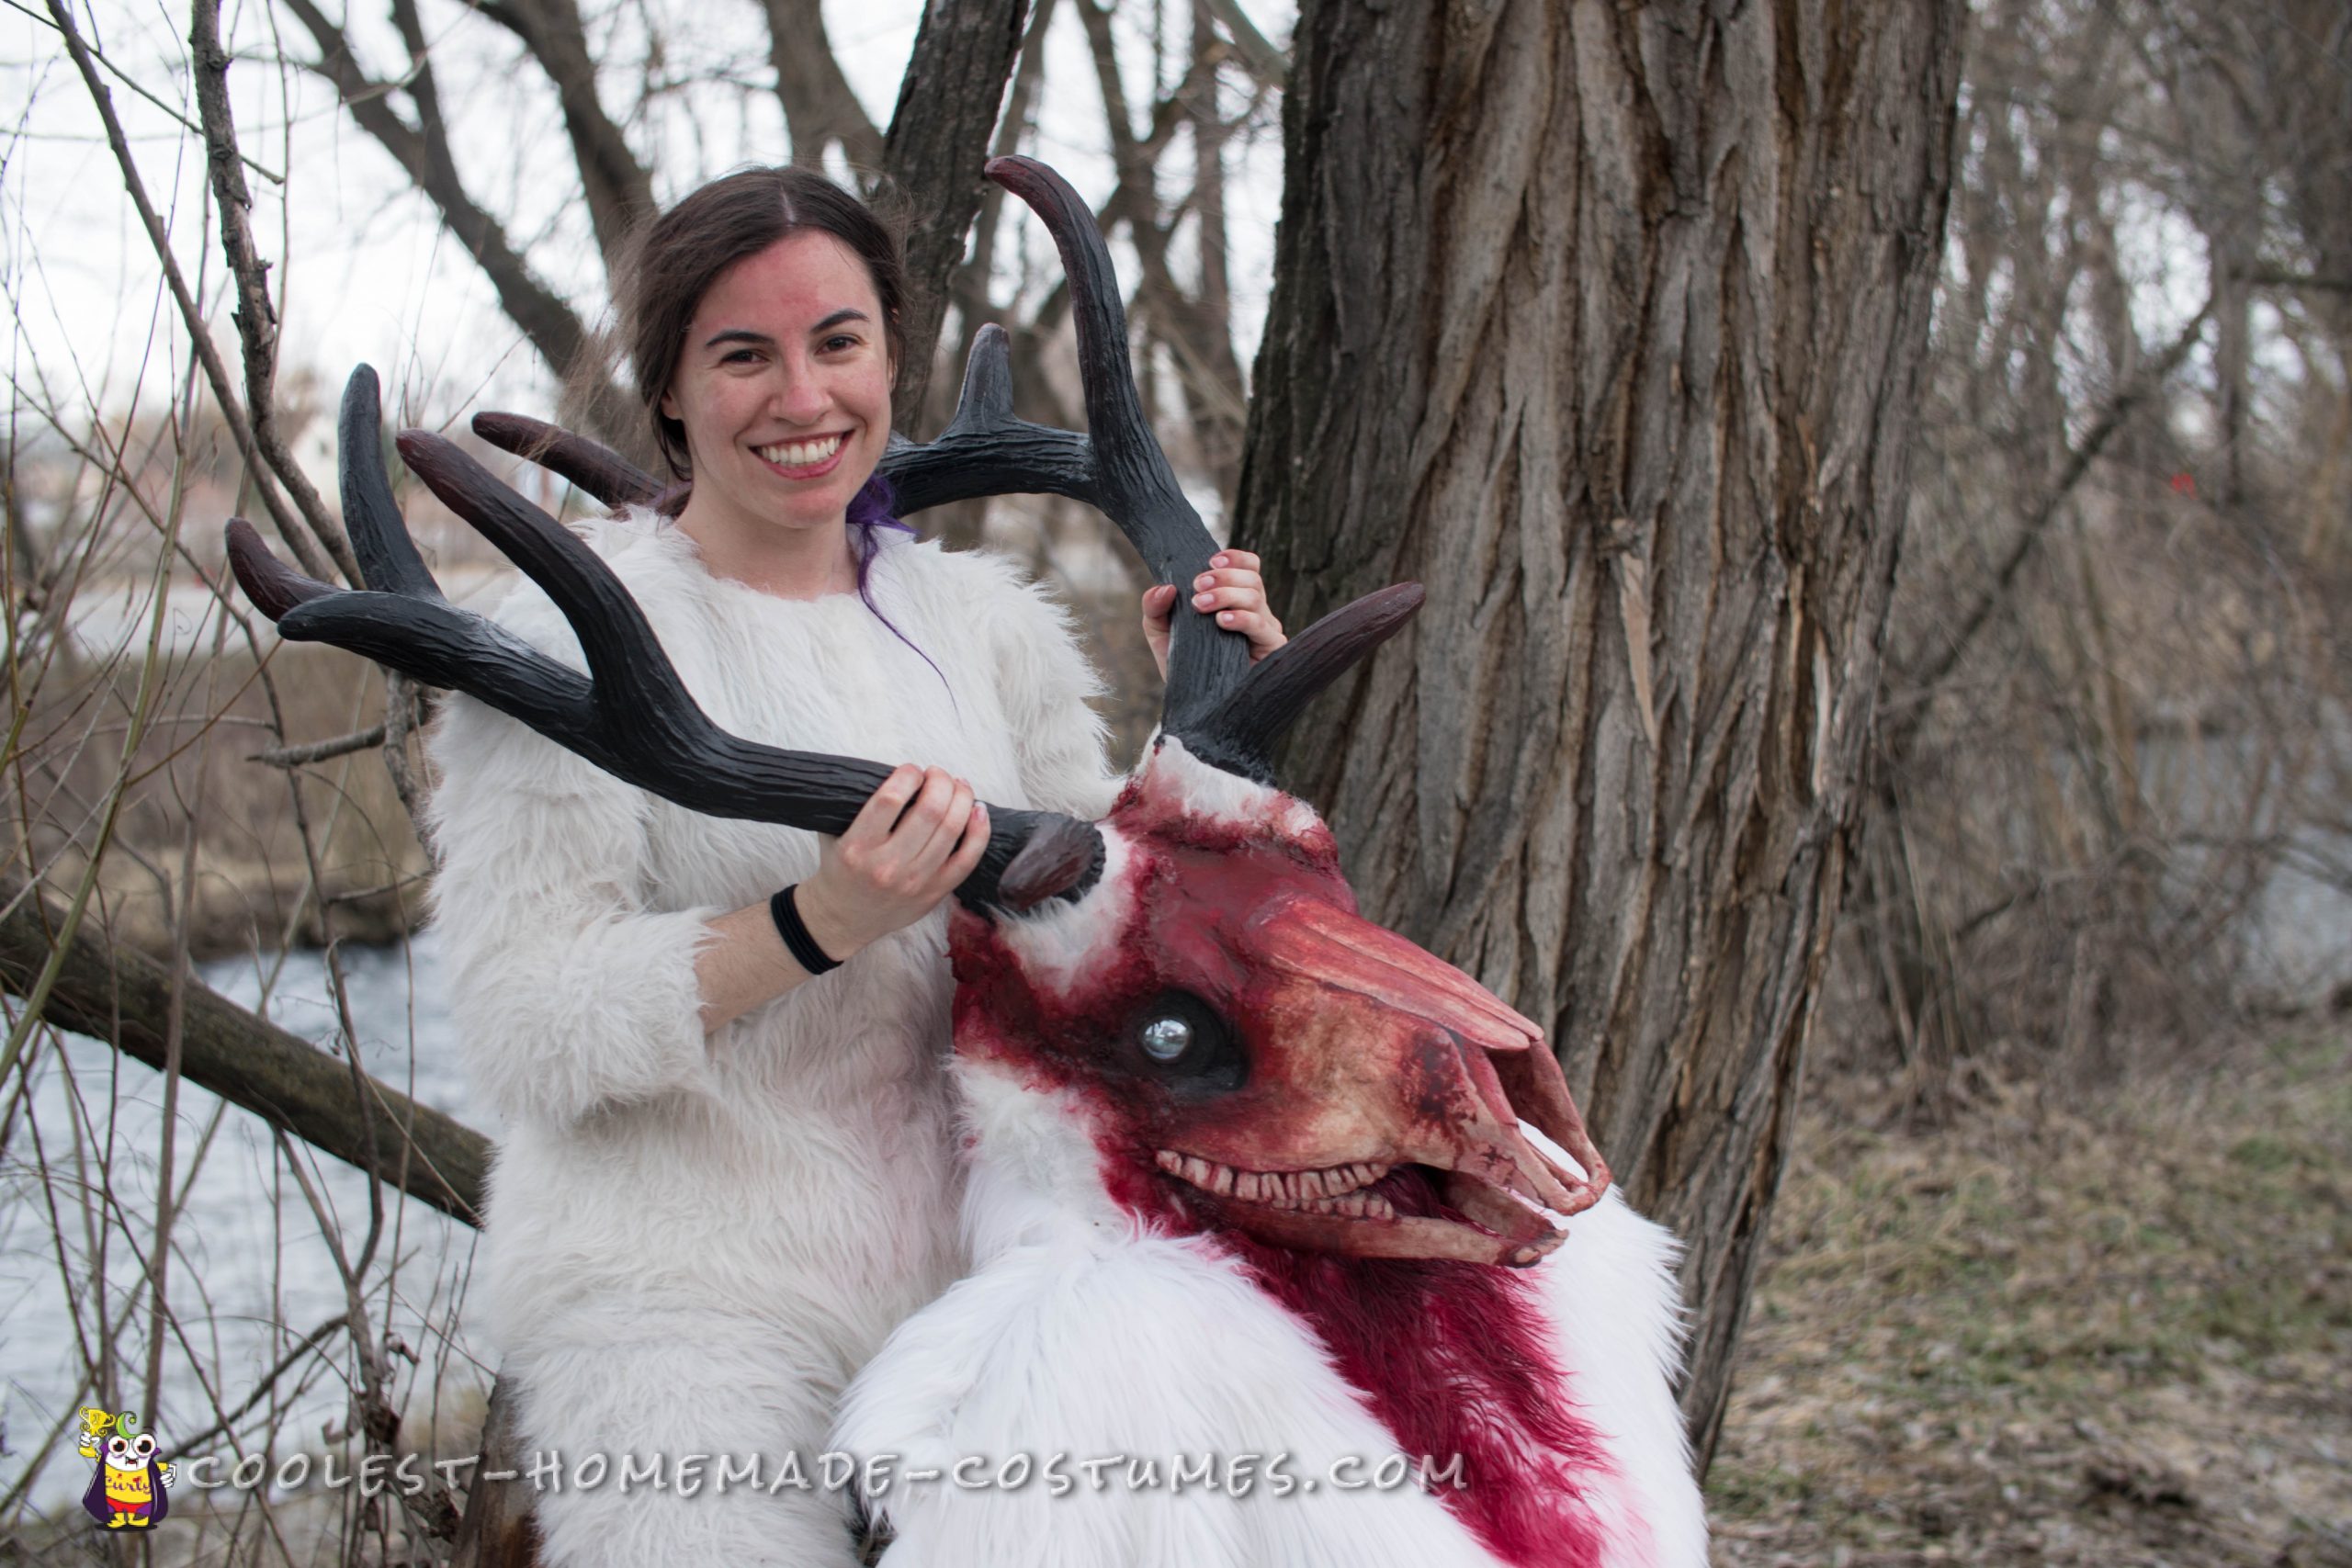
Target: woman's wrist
{"x":835,"y":937}
{"x":782,"y":908}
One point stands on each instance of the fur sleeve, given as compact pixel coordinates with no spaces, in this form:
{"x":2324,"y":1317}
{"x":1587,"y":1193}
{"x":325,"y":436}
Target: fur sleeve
{"x":1048,"y":681}
{"x":571,"y":993}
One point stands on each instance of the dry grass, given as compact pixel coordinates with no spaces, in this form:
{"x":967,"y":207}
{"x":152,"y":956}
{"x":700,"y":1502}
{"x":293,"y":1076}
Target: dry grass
{"x":252,"y":875}
{"x":2106,"y":1327}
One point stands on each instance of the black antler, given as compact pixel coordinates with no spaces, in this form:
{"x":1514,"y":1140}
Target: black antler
{"x":593,"y":467}
{"x":630,"y":715}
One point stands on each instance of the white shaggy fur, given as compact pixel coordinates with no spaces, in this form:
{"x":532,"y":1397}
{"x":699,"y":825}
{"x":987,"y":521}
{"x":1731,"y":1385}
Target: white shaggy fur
{"x":1211,"y":793}
{"x":1061,"y":940}
{"x":1083,"y":1334}
{"x":693,"y":1243}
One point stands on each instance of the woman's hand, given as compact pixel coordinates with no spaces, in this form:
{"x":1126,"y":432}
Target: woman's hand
{"x":1231,"y":588}
{"x":918,"y":836}
{"x":914,"y":839}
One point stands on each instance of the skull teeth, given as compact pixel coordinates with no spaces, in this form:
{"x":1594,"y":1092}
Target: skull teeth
{"x":1333,"y":1191}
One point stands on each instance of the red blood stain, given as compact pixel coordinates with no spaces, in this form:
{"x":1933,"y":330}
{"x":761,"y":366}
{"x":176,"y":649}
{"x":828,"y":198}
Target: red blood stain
{"x":1455,"y":1359}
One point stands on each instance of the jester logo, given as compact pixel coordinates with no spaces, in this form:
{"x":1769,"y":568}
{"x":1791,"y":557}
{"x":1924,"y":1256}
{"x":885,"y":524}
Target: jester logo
{"x":127,"y":1491}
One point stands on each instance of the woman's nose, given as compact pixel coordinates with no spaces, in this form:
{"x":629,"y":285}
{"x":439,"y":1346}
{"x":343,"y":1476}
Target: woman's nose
{"x":801,"y":397}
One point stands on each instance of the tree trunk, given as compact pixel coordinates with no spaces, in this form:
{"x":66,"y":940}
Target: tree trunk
{"x":1607,"y":323}
{"x":936,"y":148}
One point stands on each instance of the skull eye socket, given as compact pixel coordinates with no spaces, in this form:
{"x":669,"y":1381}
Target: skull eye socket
{"x":117,"y":1448}
{"x":1166,"y":1038}
{"x":145,"y":1445}
{"x":1181,"y":1040}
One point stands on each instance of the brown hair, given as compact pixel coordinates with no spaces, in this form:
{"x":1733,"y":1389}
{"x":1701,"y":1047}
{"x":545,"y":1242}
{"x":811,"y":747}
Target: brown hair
{"x":672,"y":262}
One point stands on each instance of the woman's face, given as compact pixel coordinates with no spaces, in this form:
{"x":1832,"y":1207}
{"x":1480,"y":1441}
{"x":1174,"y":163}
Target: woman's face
{"x":784,"y":388}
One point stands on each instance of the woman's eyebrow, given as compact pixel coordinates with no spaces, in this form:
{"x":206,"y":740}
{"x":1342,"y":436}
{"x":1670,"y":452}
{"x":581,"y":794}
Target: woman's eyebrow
{"x":762,"y":339}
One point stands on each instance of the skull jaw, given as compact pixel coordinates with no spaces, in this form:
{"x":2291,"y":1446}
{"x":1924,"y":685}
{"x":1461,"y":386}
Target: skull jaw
{"x":1473,"y":1222}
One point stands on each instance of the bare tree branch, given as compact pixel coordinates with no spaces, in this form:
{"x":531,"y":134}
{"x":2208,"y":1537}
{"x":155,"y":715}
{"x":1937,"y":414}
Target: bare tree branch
{"x":128,"y":80}
{"x":322,"y":751}
{"x":2274,"y":278}
{"x":1269,"y":65}
{"x":299,"y":537}
{"x":969,"y":291}
{"x":618,"y":187}
{"x":424,"y":154}
{"x":821,"y":112}
{"x":938,"y":141}
{"x":256,"y":318}
{"x":1199,"y":332}
{"x":2078,"y":463}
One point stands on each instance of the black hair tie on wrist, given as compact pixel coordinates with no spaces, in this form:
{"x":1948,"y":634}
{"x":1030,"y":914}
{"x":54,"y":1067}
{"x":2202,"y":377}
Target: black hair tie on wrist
{"x":805,"y":951}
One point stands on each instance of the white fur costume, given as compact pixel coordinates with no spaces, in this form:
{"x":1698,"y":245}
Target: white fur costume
{"x":693,"y":1243}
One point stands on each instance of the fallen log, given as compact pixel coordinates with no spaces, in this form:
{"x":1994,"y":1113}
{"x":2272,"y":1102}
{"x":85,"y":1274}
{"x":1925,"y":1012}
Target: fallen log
{"x":122,"y":997}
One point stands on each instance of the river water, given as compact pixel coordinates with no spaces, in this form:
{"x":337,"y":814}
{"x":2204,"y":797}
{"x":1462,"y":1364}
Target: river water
{"x":253,"y":1273}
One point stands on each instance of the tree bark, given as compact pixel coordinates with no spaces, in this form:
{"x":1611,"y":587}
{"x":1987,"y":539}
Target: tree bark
{"x":1607,"y":323}
{"x":820,"y":111}
{"x":936,"y":148}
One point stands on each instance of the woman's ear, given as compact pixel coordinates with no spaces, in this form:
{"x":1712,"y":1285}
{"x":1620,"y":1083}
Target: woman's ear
{"x":669,"y":406}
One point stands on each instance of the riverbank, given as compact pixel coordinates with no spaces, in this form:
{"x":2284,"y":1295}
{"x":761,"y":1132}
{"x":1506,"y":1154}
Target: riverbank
{"x":2079,"y":1323}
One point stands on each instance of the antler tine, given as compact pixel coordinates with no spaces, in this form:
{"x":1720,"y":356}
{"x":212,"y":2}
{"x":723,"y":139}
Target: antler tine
{"x":387,"y":558}
{"x":274,"y":587}
{"x":1240,"y":733}
{"x":987,"y":450}
{"x":633,"y":678}
{"x":1133,"y":483}
{"x":592,"y":466}
{"x":634,"y":718}
{"x":420,"y":634}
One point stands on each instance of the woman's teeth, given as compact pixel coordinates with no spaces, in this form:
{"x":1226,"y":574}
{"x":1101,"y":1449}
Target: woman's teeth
{"x":801,"y":454}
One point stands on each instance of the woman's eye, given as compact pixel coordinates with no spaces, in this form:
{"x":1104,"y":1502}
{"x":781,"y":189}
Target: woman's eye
{"x":840,"y":342}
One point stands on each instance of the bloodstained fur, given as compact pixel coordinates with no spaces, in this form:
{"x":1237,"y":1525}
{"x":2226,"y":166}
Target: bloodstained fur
{"x":1452,"y":1358}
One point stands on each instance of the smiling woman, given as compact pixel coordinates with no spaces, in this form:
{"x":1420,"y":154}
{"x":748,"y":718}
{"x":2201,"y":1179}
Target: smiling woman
{"x":730,"y":1170}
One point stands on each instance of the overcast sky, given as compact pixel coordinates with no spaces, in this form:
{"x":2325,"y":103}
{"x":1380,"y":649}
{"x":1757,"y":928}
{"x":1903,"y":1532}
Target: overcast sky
{"x":372,"y":275}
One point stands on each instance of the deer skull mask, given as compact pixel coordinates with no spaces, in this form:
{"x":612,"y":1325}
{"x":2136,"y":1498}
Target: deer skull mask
{"x":1248,"y":1050}
{"x":1252,"y":1052}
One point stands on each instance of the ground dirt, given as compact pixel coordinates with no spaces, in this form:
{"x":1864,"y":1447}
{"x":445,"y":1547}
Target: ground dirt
{"x":2105,"y":1322}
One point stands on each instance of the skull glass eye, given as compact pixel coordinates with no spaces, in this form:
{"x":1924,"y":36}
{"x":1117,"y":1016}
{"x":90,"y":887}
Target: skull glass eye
{"x":1164,"y":1039}
{"x":1182,"y":1042}
{"x":117,"y":1448}
{"x":145,"y":1445}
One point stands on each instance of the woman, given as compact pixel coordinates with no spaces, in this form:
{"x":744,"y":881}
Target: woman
{"x":721,"y":1185}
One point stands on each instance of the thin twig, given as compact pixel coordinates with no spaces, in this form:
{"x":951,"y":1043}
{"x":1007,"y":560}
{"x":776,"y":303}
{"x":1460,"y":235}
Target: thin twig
{"x":119,"y":74}
{"x":306,"y":549}
{"x":2078,"y":465}
{"x":321,"y":750}
{"x":256,"y":317}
